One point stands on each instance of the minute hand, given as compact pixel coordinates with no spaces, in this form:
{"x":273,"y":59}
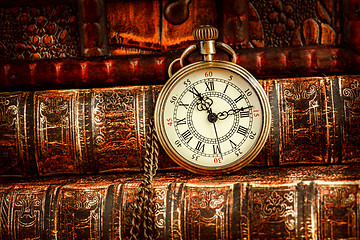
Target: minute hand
{"x":223,"y":115}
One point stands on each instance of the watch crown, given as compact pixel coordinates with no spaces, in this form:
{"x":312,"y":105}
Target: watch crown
{"x":205,"y":33}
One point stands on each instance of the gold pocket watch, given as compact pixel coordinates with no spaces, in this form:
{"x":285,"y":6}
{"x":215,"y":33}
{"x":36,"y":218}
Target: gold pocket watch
{"x":212,"y":116}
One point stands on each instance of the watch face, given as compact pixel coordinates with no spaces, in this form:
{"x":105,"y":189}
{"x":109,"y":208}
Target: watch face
{"x":212,"y":117}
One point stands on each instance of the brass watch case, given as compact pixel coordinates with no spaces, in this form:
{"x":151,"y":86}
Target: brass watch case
{"x":160,"y":128}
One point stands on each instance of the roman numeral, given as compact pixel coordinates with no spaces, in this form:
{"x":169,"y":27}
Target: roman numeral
{"x":216,"y":149}
{"x":180,"y":121}
{"x":226,"y":88}
{"x":233,"y":145}
{"x":195,"y":92}
{"x":242,"y":130}
{"x":183,"y":104}
{"x":244,"y":114}
{"x":200,"y":146}
{"x":187,"y":136}
{"x":239,"y":98}
{"x":210,"y":86}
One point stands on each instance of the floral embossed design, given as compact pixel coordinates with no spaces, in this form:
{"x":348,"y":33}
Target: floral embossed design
{"x":338,"y":207}
{"x":27,"y":215}
{"x":301,"y":116}
{"x":114,"y":101}
{"x":207,"y":205}
{"x":206,"y":211}
{"x":114,"y":126}
{"x":160,"y":211}
{"x":54,"y":109}
{"x":344,"y":197}
{"x":276,"y":206}
{"x":207,"y":199}
{"x":351,"y":95}
{"x":28,"y":209}
{"x":84,"y":200}
{"x":82,"y":205}
{"x":81,"y":212}
{"x":39,"y":32}
{"x":281,"y":17}
{"x":302,"y":105}
{"x":295,"y":22}
{"x":298,"y":93}
{"x":302,"y":101}
{"x":113,"y":105}
{"x":8,"y":112}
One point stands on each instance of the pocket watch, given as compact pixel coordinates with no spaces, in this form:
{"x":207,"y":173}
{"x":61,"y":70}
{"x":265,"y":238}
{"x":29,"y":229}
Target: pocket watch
{"x":211,"y":116}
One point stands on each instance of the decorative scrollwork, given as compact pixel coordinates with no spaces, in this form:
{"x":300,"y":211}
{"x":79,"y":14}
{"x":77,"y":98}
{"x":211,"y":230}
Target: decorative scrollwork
{"x":8,"y":112}
{"x":54,"y":109}
{"x":84,"y":200}
{"x":114,"y":101}
{"x":352,"y":94}
{"x":277,"y":205}
{"x":297,"y":92}
{"x":208,"y":199}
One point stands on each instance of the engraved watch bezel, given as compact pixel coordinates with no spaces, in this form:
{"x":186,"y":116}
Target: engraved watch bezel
{"x":160,"y":128}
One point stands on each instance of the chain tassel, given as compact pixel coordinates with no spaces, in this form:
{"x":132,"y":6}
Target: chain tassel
{"x":144,"y":206}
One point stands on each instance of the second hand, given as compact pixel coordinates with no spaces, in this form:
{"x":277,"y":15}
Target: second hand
{"x":217,"y":138}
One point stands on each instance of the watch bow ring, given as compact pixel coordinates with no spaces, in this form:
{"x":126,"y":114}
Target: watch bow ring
{"x":212,"y":116}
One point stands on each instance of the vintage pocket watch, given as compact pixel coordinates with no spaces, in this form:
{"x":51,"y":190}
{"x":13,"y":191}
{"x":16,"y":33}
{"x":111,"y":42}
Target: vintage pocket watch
{"x":212,"y":116}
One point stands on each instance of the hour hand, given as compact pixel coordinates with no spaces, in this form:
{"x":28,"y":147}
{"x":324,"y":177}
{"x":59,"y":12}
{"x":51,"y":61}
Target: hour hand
{"x":223,"y":115}
{"x":204,"y":104}
{"x":196,"y":93}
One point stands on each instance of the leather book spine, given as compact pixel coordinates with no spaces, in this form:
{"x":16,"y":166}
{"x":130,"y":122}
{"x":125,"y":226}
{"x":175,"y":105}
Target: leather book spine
{"x":74,"y":131}
{"x":152,"y":69}
{"x":303,"y":205}
{"x":77,"y":131}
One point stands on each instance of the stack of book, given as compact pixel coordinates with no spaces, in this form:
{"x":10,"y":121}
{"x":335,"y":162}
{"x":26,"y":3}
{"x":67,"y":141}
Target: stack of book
{"x":79,"y":83}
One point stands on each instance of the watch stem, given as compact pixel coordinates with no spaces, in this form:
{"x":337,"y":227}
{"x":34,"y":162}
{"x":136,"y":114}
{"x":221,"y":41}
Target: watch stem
{"x":206,"y":35}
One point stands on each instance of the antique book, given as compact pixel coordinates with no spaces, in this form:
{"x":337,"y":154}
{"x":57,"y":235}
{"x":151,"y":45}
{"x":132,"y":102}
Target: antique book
{"x":152,"y":69}
{"x":43,"y":42}
{"x":318,"y":202}
{"x":315,"y":120}
{"x":90,"y":28}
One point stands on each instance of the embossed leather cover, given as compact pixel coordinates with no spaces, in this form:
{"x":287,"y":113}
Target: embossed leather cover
{"x":314,"y":121}
{"x":319,"y":202}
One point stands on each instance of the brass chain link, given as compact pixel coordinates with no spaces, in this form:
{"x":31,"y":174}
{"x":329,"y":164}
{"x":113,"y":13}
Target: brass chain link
{"x":143,"y":214}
